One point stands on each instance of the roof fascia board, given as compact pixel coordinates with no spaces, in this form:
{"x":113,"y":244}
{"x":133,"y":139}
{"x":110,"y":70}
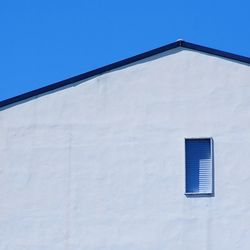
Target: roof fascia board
{"x":109,"y":67}
{"x":87,"y":75}
{"x":215,"y":52}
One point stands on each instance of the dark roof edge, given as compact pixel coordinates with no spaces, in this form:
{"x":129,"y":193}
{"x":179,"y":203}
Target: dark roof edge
{"x":109,"y":67}
{"x":215,"y":52}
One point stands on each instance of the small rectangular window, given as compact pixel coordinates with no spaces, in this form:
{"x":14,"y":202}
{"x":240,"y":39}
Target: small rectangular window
{"x":199,"y":166}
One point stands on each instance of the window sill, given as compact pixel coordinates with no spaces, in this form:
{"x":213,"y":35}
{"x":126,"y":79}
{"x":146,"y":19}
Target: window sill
{"x":199,"y":194}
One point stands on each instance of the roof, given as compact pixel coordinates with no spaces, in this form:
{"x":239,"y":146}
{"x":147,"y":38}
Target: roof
{"x":95,"y":72}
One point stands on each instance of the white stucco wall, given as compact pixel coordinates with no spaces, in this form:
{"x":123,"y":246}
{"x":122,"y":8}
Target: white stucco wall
{"x":100,"y":165}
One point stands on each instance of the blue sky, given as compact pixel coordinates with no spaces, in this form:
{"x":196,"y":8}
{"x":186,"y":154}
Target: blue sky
{"x":50,"y":40}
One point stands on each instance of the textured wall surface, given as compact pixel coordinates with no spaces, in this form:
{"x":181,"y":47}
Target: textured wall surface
{"x":100,"y":165}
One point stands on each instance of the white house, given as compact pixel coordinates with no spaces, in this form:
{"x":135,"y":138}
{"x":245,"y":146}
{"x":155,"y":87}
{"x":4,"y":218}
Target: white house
{"x":149,"y":153}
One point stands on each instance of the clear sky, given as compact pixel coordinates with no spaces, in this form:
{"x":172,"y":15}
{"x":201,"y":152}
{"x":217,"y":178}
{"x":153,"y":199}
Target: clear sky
{"x":45,"y":41}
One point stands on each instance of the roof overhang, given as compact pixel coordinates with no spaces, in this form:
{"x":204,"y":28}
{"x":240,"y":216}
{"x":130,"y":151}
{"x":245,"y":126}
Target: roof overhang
{"x":109,"y":67}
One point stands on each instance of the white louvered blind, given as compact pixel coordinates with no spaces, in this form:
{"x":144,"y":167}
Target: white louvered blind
{"x":199,"y":166}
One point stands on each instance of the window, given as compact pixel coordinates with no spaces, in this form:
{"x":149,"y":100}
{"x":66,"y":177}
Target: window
{"x":199,"y":166}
